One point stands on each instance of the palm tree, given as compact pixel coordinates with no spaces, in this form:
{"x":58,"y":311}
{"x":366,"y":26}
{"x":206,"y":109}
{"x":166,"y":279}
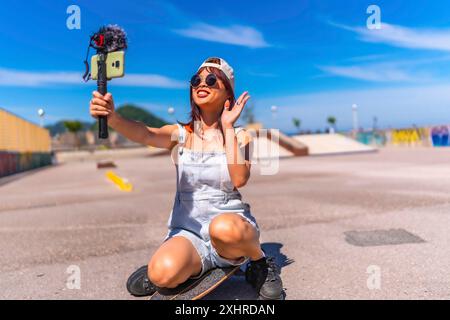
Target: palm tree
{"x":297,"y":123}
{"x":74,"y":127}
{"x":332,"y":122}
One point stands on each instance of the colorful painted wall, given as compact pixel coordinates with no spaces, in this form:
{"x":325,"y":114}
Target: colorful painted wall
{"x":372,"y":138}
{"x":23,"y":145}
{"x":436,"y":136}
{"x":439,"y":136}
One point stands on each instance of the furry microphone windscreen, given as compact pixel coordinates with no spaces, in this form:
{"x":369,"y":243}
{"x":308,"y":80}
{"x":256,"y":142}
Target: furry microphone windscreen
{"x":115,"y":38}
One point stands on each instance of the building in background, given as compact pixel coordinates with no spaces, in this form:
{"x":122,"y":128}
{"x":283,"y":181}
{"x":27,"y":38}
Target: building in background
{"x":23,"y":145}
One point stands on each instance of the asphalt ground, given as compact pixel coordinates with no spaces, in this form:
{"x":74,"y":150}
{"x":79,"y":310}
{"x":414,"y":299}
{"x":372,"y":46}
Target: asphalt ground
{"x":361,"y":226}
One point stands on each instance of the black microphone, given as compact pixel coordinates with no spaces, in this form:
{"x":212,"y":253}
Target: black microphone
{"x":114,"y":38}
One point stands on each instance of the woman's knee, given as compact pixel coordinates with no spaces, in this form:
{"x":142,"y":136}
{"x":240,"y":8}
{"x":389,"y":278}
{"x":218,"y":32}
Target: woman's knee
{"x":162,"y":271}
{"x":229,"y":228}
{"x":174,"y":262}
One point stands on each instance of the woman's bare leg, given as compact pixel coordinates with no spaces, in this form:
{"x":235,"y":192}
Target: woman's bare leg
{"x":173,"y":263}
{"x":234,"y":237}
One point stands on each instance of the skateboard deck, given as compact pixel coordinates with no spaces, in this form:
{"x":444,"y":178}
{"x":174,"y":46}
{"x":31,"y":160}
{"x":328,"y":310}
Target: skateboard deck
{"x":194,"y":289}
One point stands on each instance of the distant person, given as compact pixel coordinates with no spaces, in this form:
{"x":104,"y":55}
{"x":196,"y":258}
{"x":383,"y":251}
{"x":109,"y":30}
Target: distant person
{"x":209,"y":226}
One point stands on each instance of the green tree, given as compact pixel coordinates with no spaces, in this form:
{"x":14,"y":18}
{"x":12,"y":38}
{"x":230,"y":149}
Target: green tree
{"x":297,"y":123}
{"x":59,"y":127}
{"x":74,"y":127}
{"x":332,"y":122}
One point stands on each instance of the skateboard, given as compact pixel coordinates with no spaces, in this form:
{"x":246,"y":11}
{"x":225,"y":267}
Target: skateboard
{"x":194,"y":289}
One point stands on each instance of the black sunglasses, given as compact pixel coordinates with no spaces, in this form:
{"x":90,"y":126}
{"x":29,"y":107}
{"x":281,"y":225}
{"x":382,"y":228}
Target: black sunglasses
{"x":210,"y":80}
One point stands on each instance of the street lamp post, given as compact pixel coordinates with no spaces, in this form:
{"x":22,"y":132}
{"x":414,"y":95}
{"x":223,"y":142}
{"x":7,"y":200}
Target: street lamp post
{"x":355,"y":118}
{"x":41,"y":114}
{"x":171,"y":112}
{"x":274,"y":110}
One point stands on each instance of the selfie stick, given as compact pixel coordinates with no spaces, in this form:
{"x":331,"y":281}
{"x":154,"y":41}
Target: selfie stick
{"x":108,"y":39}
{"x":102,"y":88}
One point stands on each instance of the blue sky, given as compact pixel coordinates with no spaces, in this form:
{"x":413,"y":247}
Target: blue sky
{"x":311,"y":59}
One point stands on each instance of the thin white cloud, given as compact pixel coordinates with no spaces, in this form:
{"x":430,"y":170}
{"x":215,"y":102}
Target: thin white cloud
{"x":404,"y":37}
{"x":380,"y":72}
{"x":235,"y":34}
{"x":370,"y":57}
{"x":20,"y":78}
{"x":370,"y":73}
{"x":406,"y":70}
{"x":150,"y":80}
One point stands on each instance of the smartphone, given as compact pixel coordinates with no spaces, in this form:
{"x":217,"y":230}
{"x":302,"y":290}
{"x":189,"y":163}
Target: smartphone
{"x":115,"y":65}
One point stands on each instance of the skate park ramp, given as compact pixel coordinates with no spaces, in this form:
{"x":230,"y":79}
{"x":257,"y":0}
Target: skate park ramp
{"x":265,"y":148}
{"x":327,"y":144}
{"x":274,"y":144}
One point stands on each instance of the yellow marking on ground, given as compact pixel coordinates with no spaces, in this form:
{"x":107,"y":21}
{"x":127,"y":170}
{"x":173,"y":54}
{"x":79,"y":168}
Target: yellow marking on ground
{"x":120,"y":182}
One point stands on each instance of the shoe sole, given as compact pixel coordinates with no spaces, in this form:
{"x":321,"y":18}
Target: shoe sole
{"x":280,"y":297}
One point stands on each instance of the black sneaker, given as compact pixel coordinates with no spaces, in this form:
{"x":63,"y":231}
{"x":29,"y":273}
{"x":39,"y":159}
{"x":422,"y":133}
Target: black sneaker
{"x":264,"y":276}
{"x":138,"y":283}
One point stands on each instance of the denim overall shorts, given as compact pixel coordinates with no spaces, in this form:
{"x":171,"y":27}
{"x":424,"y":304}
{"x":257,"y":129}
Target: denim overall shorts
{"x":204,"y":190}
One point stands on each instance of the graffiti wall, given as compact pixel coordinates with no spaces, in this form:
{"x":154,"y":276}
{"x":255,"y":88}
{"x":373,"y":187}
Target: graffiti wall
{"x":376,"y":138}
{"x":410,"y":136}
{"x":437,"y":136}
{"x":13,"y":162}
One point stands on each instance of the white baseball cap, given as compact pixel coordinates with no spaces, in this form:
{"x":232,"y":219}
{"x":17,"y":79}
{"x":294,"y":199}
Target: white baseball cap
{"x":222,"y":65}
